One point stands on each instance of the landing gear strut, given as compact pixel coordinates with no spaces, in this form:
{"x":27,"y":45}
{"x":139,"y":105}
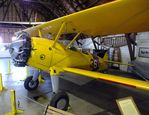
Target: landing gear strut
{"x":59,"y":100}
{"x":31,"y":82}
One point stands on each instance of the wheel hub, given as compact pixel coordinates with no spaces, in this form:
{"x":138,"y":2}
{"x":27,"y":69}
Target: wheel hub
{"x":61,"y":103}
{"x":32,"y":84}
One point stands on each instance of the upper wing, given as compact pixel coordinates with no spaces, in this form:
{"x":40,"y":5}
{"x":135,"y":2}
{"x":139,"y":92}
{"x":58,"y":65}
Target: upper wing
{"x":120,"y":16}
{"x":107,"y":77}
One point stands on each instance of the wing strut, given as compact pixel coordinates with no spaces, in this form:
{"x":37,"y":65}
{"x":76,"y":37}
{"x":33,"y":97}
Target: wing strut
{"x":59,"y":33}
{"x":73,"y":40}
{"x":39,"y":33}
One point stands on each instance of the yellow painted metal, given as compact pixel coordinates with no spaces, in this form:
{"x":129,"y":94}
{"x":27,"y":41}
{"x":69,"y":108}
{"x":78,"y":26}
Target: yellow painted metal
{"x":59,"y":33}
{"x":57,"y":56}
{"x":103,"y":64}
{"x":9,"y":67}
{"x":55,"y":71}
{"x":117,"y":79}
{"x":73,"y":40}
{"x":54,"y":59}
{"x":119,"y":16}
{"x":41,"y":53}
{"x":60,"y":56}
{"x":14,"y":110}
{"x":13,"y":100}
{"x":40,"y":79}
{"x":1,"y":83}
{"x":39,"y":33}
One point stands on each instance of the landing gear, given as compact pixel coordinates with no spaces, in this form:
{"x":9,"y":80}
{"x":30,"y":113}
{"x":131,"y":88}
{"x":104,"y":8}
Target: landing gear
{"x":30,"y":84}
{"x":60,"y":100}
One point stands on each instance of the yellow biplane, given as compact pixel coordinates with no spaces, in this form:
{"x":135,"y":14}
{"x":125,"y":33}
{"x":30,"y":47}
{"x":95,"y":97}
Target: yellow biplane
{"x":34,"y":49}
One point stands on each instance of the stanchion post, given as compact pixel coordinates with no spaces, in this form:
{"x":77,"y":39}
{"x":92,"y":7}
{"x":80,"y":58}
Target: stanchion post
{"x":14,"y":110}
{"x":9,"y":67}
{"x":1,"y":83}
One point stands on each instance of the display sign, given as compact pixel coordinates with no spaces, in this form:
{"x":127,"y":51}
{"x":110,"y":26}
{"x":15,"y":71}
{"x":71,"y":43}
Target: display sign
{"x":127,"y":106}
{"x":144,"y":52}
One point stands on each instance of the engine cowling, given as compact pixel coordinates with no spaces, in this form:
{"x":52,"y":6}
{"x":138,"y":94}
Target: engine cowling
{"x":20,"y":49}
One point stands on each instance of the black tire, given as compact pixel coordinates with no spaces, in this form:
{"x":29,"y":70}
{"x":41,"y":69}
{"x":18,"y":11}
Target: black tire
{"x":59,"y":97}
{"x":30,"y":86}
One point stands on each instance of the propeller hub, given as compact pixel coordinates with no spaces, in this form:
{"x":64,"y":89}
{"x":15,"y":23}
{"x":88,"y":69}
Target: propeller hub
{"x":20,"y":49}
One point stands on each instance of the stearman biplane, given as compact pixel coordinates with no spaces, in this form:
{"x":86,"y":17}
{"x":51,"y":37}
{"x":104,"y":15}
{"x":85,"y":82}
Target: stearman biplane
{"x":32,"y":48}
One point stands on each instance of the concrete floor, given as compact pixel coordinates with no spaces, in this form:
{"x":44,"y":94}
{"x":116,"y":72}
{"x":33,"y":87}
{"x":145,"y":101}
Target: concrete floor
{"x":87,"y":96}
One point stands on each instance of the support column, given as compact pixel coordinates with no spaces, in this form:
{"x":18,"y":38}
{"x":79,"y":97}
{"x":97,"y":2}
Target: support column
{"x":36,"y":75}
{"x":131,"y":51}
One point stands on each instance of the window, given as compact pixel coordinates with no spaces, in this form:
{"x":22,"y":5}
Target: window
{"x":13,"y":38}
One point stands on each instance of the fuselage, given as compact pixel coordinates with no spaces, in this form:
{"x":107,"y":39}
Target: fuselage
{"x":40,"y":53}
{"x":44,"y":56}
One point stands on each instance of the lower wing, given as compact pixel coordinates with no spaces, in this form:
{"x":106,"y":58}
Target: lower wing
{"x":112,"y":78}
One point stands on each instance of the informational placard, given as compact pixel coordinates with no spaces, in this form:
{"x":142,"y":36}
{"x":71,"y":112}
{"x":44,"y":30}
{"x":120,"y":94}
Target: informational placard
{"x":144,"y":52}
{"x":127,"y":106}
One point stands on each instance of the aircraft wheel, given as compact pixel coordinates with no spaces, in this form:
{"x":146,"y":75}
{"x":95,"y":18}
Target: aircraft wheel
{"x":30,"y":85}
{"x":60,"y":101}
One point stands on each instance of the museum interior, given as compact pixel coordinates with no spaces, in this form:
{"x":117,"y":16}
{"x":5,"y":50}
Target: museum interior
{"x":74,"y":57}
